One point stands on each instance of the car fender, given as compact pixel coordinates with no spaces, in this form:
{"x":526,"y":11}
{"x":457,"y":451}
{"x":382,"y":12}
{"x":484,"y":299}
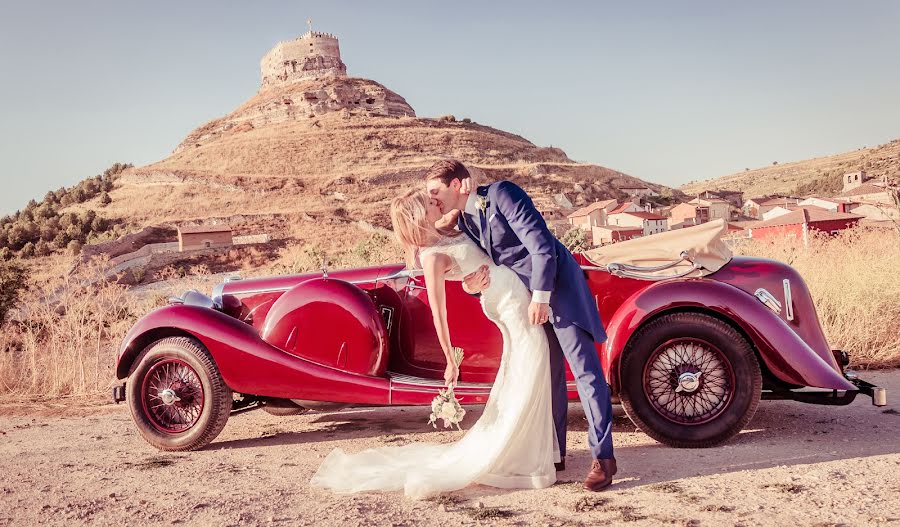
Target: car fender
{"x":247,"y":363}
{"x":787,"y":356}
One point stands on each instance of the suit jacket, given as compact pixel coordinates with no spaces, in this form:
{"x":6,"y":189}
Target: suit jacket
{"x":515,"y":235}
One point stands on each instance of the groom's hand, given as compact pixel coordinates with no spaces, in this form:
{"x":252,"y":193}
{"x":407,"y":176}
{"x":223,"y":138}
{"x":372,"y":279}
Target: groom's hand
{"x":538,"y":313}
{"x":477,"y":281}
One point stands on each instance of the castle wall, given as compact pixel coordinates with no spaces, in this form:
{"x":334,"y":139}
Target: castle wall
{"x":311,"y":56}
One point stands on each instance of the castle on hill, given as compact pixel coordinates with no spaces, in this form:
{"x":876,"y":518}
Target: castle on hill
{"x":313,"y":55}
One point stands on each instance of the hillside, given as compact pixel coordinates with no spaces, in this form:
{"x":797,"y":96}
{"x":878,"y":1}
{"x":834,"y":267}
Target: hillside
{"x":316,"y":178}
{"x":820,"y":176}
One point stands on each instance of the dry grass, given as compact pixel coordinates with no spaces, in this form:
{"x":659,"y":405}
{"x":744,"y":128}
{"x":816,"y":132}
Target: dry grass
{"x":63,"y":338}
{"x":854,"y":278}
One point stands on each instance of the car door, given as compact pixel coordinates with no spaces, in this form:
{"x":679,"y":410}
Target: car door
{"x":470,"y":329}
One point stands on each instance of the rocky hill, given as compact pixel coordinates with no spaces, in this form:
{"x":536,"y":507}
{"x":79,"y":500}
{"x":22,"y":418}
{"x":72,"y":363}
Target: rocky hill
{"x":315,"y":154}
{"x":820,"y":176}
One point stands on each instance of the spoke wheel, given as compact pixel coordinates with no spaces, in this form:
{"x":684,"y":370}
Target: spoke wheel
{"x":172,"y":395}
{"x":176,"y":394}
{"x":689,"y":380}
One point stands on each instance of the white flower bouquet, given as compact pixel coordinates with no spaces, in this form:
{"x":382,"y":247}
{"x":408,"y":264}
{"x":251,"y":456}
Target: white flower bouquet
{"x":445,"y":406}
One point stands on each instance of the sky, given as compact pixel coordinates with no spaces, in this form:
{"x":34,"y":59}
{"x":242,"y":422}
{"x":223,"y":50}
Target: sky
{"x":665,"y":91}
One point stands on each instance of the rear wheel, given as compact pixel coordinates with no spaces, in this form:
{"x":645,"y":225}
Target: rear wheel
{"x":176,"y":394}
{"x":690,"y":380}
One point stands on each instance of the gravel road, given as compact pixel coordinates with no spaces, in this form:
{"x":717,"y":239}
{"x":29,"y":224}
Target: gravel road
{"x":795,"y":464}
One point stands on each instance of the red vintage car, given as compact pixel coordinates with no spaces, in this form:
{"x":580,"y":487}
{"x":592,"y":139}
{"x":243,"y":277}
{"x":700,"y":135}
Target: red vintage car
{"x":696,"y":339}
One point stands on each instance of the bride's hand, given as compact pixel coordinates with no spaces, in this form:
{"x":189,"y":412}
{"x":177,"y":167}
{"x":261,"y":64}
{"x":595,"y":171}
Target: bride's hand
{"x":451,"y":375}
{"x":447,"y":221}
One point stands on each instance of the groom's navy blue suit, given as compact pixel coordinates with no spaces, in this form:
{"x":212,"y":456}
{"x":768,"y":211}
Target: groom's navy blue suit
{"x":514,"y":234}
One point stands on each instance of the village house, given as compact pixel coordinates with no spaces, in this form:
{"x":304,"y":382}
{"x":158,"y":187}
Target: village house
{"x":648,"y":222}
{"x":756,"y":207}
{"x":781,"y":211}
{"x":697,"y":211}
{"x":834,"y":205}
{"x":193,"y":237}
{"x":798,"y":223}
{"x":593,"y":215}
{"x":606,"y":234}
{"x":734,"y":197}
{"x":868,"y":192}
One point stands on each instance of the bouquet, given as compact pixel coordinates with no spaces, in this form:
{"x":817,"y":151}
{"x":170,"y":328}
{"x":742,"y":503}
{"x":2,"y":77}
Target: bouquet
{"x":445,"y":406}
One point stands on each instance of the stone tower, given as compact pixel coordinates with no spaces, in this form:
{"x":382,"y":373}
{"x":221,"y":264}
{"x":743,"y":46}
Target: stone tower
{"x":853,"y":180}
{"x":313,"y":55}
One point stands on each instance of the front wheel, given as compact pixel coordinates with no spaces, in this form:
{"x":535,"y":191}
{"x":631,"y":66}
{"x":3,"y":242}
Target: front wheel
{"x":690,"y":380}
{"x":176,"y":394}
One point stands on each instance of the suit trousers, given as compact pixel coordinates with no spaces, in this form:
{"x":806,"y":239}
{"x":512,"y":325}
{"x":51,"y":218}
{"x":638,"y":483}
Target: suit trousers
{"x":575,"y":345}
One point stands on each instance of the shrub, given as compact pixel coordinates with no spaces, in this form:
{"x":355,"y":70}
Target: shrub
{"x":105,"y":199}
{"x":13,"y":282}
{"x":575,"y":240}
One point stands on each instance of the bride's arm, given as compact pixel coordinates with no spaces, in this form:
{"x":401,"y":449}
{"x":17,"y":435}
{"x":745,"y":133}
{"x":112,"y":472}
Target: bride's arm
{"x":435,"y":267}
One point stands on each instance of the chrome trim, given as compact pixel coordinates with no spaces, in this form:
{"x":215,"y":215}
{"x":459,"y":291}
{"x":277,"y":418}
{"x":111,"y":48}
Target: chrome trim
{"x":615,"y":270}
{"x":788,"y":300}
{"x":218,"y":293}
{"x":879,"y":396}
{"x":233,"y":278}
{"x":410,"y":380}
{"x":637,"y":269}
{"x":768,"y":299}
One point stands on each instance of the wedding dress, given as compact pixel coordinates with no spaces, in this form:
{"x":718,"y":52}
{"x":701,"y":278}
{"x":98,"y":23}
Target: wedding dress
{"x":512,"y":445}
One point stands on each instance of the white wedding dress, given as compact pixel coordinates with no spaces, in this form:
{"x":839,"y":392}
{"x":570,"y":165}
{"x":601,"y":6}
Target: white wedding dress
{"x":512,"y":445}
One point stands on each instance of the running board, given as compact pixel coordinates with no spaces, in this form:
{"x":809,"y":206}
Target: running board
{"x":412,"y":390}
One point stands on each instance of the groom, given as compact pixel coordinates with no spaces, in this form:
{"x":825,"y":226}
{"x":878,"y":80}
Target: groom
{"x":503,"y":221}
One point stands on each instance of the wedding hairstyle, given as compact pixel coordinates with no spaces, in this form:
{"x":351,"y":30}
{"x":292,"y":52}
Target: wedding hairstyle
{"x":447,"y":170}
{"x":410,"y":225}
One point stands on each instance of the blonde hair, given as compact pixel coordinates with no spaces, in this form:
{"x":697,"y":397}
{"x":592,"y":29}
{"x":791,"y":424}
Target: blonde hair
{"x":411,"y":228}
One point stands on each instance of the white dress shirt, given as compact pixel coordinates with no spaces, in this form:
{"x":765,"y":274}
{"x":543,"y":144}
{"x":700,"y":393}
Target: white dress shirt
{"x":538,"y":297}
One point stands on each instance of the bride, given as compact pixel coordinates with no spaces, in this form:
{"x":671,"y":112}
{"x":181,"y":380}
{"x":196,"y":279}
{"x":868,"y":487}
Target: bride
{"x":513,"y":444}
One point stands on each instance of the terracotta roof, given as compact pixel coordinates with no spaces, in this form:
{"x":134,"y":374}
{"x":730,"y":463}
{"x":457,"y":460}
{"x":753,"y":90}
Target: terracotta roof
{"x":865,"y":188}
{"x":584,"y":211}
{"x":801,"y":216}
{"x":778,"y":201}
{"x":645,"y":215}
{"x":621,"y":208}
{"x":808,"y":207}
{"x":193,"y":229}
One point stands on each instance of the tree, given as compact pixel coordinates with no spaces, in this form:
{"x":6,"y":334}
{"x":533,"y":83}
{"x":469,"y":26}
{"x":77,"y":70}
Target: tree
{"x":13,"y":282}
{"x":575,"y":240}
{"x":105,"y":199}
{"x":27,"y":250}
{"x":41,"y":248}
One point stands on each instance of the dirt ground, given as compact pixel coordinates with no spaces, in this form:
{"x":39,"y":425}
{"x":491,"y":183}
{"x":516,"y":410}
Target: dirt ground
{"x":795,"y":464}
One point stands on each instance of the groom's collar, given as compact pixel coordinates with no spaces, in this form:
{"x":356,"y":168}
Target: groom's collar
{"x":472,"y":200}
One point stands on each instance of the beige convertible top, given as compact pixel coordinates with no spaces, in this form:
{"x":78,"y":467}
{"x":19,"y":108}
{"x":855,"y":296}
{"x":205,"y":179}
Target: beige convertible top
{"x":702,"y":243}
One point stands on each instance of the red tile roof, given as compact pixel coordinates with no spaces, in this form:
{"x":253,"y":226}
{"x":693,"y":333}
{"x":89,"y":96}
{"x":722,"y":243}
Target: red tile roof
{"x":801,"y":216}
{"x":584,"y":211}
{"x":621,"y":208}
{"x":865,"y":188}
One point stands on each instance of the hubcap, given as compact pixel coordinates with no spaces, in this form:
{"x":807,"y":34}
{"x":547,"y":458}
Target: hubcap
{"x":689,"y":381}
{"x":168,"y":397}
{"x":172,"y":396}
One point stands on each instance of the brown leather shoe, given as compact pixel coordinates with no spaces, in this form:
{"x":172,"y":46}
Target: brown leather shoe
{"x":601,"y":474}
{"x":560,"y":466}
